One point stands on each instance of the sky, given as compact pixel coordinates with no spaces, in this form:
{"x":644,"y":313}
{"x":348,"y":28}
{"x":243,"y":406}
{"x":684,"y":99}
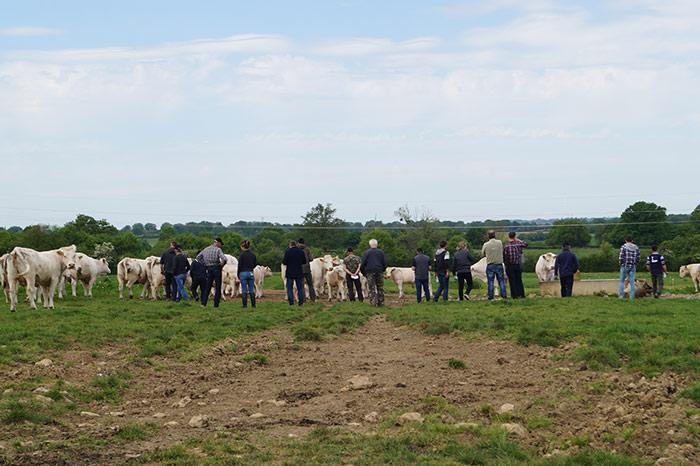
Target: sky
{"x":176,"y":111}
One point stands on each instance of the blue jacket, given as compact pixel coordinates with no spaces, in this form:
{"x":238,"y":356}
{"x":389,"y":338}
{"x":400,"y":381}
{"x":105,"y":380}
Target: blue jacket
{"x":566,"y":264}
{"x":294,"y":259}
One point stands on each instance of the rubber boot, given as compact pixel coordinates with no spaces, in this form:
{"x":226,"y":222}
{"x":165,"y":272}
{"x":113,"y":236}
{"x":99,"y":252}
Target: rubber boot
{"x":252,"y":300}
{"x":245,"y":299}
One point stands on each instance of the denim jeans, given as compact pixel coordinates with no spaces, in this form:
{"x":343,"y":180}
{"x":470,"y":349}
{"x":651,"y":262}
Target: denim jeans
{"x":422,"y":284}
{"x":181,"y":293}
{"x":627,"y":272}
{"x":300,"y":290}
{"x":247,"y":283}
{"x":444,"y":286}
{"x":497,"y":271}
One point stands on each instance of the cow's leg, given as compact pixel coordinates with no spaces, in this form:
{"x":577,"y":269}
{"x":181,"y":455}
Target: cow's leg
{"x":31,"y":292}
{"x":146,"y":288}
{"x":697,"y":280}
{"x":400,"y":289}
{"x":61,"y":286}
{"x":87,"y":288}
{"x":51,"y":291}
{"x":13,"y":295}
{"x":74,"y":287}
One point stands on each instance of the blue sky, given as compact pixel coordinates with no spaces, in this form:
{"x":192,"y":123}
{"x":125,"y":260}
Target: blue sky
{"x":183,"y":111}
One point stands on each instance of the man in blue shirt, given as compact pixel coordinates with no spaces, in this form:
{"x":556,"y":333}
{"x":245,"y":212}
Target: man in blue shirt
{"x":294,"y":259}
{"x":565,"y":266}
{"x":656,"y":264}
{"x":421,"y":268}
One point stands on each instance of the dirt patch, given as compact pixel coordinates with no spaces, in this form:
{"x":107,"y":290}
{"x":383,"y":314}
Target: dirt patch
{"x":300,"y":386}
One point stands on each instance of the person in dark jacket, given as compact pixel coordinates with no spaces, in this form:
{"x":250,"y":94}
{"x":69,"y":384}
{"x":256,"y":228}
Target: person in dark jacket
{"x":351,"y":266}
{"x":462,"y":267}
{"x":307,"y":269}
{"x":166,"y":268}
{"x":198,"y":274}
{"x":513,"y":259}
{"x":565,"y":266}
{"x":180,"y":268}
{"x":246,"y":264}
{"x":294,"y":259}
{"x":442,"y":271}
{"x":421,"y":269}
{"x":373,"y":266}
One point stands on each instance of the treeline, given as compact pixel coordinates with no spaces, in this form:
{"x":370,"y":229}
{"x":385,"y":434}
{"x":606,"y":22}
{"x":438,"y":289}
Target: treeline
{"x":648,"y":223}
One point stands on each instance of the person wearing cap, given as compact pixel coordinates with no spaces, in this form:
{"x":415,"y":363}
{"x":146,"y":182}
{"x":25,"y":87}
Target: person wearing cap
{"x":213,"y":259}
{"x":513,"y":257}
{"x":246,"y":264}
{"x":565,"y":267}
{"x":421,"y":269}
{"x":351,"y":265}
{"x":306,"y":268}
{"x":493,"y":251}
{"x":166,"y":268}
{"x":180,"y":268}
{"x":294,"y":259}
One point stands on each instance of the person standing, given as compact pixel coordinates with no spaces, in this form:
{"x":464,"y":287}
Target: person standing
{"x":565,"y":267}
{"x":442,"y":271}
{"x":294,"y":259}
{"x":308,"y":278}
{"x":463,"y":269}
{"x":246,"y":264}
{"x":167,"y":260}
{"x":180,"y":268}
{"x":373,"y":266}
{"x":629,"y":257}
{"x":513,"y":258}
{"x":213,"y":259}
{"x":198,"y":274}
{"x":656,"y":265}
{"x":493,"y":251}
{"x":421,"y":269}
{"x":351,"y":265}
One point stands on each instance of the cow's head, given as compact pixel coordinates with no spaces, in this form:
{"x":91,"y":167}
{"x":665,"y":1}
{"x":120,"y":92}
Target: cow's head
{"x":683,"y":271}
{"x":327,"y":262}
{"x":103,"y":267}
{"x":389,"y":270}
{"x":67,"y":256}
{"x":267,"y":271}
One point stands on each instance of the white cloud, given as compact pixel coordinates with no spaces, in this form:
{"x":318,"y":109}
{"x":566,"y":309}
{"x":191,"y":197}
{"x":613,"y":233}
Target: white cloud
{"x":367,"y":46}
{"x":29,"y":31}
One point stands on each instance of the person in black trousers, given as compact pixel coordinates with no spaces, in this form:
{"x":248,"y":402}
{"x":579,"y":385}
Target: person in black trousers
{"x":294,"y":259}
{"x":442,"y":271}
{"x":565,"y":266}
{"x":463,"y":269}
{"x":246,"y":264}
{"x":167,"y":263}
{"x":308,"y":278}
{"x":351,"y":265}
{"x":213,"y":259}
{"x":199,"y":277}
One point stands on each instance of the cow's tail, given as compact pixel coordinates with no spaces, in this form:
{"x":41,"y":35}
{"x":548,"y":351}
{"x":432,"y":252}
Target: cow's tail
{"x":16,"y":260}
{"x":121,"y":271}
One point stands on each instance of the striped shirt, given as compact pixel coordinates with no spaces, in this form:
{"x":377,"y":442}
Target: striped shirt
{"x":211,"y":256}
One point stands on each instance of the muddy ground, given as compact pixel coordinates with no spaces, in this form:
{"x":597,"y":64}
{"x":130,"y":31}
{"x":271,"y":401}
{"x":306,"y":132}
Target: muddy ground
{"x":305,"y":385}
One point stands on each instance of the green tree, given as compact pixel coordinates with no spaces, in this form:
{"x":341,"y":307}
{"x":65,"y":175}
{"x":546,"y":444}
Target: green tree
{"x":695,"y":219}
{"x":322,"y":229}
{"x":570,"y":230}
{"x":645,"y":221}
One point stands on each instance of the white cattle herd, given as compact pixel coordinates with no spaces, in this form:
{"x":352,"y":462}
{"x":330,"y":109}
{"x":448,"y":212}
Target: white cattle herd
{"x":42,"y":273}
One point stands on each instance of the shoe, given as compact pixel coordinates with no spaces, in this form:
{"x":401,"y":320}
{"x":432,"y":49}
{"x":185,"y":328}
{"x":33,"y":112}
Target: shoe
{"x":252,"y":301}
{"x":467,"y":298}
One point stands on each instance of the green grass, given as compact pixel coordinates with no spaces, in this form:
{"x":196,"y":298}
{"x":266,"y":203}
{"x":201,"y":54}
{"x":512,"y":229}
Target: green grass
{"x":338,"y":320}
{"x":692,"y":393}
{"x":15,"y":412}
{"x":133,"y":432}
{"x":456,"y":364}
{"x":259,"y":359}
{"x":650,"y":336}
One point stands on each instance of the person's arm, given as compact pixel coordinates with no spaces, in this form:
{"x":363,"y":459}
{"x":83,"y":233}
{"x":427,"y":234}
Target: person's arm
{"x":576,"y":263}
{"x":556,"y":267}
{"x":222,"y":258}
{"x":383,"y":261}
{"x":200,"y":258}
{"x":622,"y":255}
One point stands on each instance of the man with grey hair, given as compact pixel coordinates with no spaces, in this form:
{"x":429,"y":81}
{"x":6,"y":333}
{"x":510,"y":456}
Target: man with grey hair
{"x":373,"y":266}
{"x":493,"y":251}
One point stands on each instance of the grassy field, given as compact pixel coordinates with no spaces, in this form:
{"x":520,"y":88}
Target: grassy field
{"x":651,"y":337}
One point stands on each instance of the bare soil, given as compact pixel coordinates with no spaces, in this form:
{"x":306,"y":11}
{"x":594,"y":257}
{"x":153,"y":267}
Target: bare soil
{"x":305,"y":385}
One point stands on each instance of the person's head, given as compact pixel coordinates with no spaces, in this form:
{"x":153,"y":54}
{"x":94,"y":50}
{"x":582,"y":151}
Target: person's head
{"x":654,"y":247}
{"x":245,"y":245}
{"x":419,"y":250}
{"x":462,"y":245}
{"x":300,"y":242}
{"x":173,"y":244}
{"x":511,"y":235}
{"x":292,"y":244}
{"x":373,"y":243}
{"x":492,"y":234}
{"x":218,"y":242}
{"x":349,"y":252}
{"x":566,"y":247}
{"x":178,"y":251}
{"x":628,"y":239}
{"x":443,"y":244}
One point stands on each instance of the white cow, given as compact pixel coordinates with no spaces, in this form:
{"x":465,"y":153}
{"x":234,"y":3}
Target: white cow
{"x":229,"y":278}
{"x":86,"y":271}
{"x":42,"y":269}
{"x":131,"y":271}
{"x":259,"y":274}
{"x":545,"y":267}
{"x":692,"y":271}
{"x":401,"y":275}
{"x":479,"y":271}
{"x":319,"y":267}
{"x":335,"y":279}
{"x":3,"y":278}
{"x":156,"y":278}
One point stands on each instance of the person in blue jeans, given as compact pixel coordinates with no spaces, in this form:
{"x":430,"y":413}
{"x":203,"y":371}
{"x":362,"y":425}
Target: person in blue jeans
{"x":493,"y":251}
{"x":442,"y":271}
{"x":629,"y":257}
{"x":246,"y":264}
{"x":421,"y":269}
{"x":294,"y":259}
{"x":180,"y":268}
